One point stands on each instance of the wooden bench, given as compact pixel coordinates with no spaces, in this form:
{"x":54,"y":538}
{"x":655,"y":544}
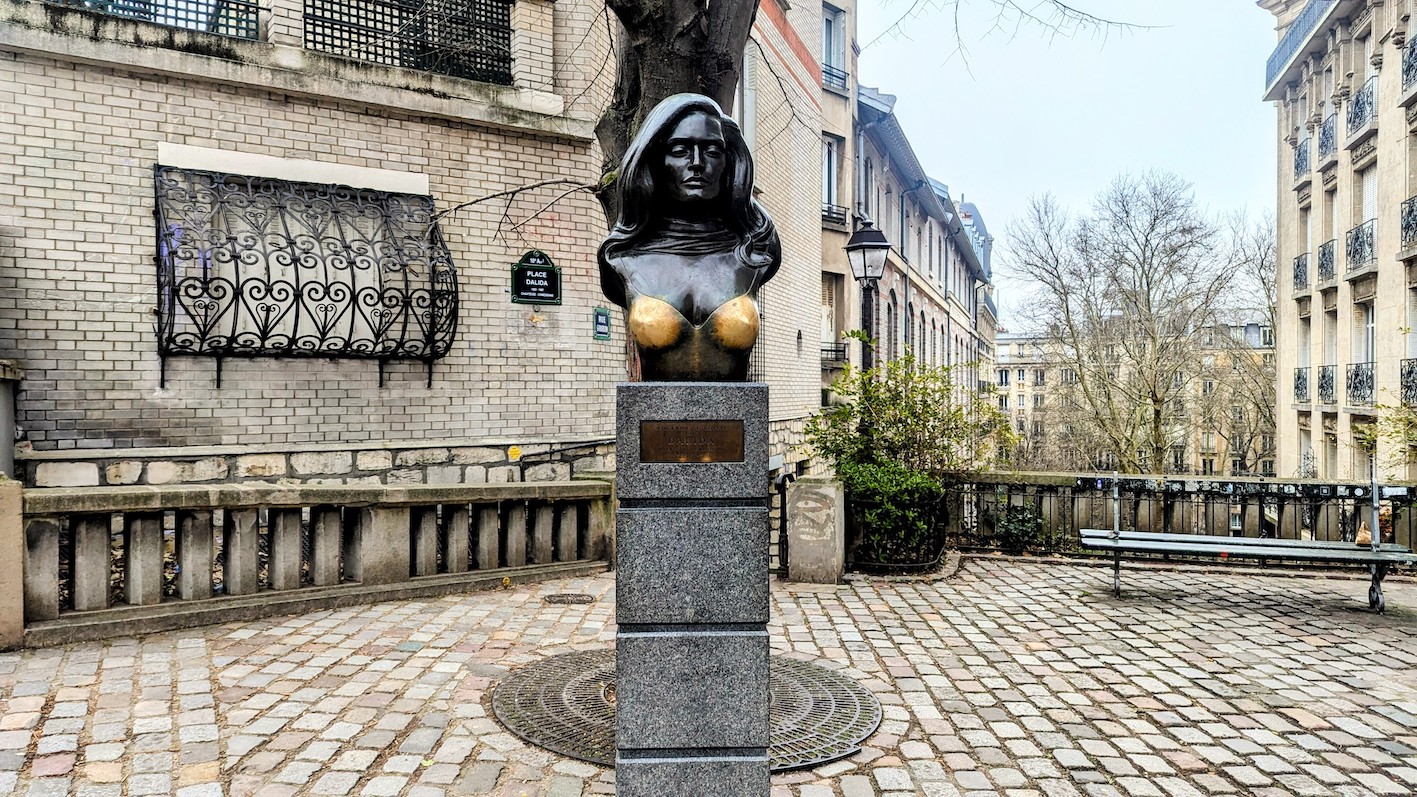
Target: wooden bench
{"x":1377,"y":560}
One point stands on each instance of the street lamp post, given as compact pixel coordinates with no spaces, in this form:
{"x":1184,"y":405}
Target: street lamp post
{"x":866,"y":252}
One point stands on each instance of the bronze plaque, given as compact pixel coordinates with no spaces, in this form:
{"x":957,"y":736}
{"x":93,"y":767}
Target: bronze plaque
{"x":691,"y":441}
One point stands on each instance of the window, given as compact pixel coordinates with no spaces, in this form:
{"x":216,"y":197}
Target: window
{"x":1207,"y":387}
{"x":1021,"y":375}
{"x":1208,"y":466}
{"x":1037,"y":429}
{"x":834,"y":48}
{"x":1037,"y":401}
{"x":1237,"y":467}
{"x":1004,"y":402}
{"x":831,"y":174}
{"x":1038,"y":377}
{"x":253,"y":266}
{"x":1178,"y":457}
{"x":1069,"y":376}
{"x":235,"y":18}
{"x":1003,"y":377}
{"x":469,"y":39}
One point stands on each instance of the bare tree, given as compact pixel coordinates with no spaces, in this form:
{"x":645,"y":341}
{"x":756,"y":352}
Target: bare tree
{"x":1242,"y":410}
{"x":1127,"y":291}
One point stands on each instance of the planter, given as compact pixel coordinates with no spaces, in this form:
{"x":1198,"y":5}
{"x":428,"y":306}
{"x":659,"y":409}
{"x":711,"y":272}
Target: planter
{"x":895,"y":536}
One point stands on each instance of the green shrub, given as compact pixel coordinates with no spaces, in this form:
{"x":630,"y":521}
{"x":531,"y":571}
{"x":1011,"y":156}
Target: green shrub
{"x":1017,"y":528}
{"x":899,"y":434}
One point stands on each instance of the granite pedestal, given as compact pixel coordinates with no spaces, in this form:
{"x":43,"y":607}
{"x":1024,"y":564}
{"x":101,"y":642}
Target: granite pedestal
{"x":691,"y":590}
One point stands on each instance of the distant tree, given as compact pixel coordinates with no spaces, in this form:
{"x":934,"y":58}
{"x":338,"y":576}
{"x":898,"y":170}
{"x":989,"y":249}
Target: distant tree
{"x":1128,"y":292}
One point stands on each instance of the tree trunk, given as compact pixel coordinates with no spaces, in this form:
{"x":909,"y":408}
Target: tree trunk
{"x":666,"y":47}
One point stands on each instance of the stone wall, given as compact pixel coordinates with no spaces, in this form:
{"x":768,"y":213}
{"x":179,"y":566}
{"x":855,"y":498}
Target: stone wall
{"x":455,"y":462}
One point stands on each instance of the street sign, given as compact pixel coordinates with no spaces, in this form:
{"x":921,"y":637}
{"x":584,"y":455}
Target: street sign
{"x":536,"y":280}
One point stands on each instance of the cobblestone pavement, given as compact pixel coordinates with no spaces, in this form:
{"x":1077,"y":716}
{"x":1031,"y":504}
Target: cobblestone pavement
{"x":1013,"y":677}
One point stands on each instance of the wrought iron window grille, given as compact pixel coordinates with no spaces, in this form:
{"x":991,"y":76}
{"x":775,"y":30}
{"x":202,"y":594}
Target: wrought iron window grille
{"x":469,"y":39}
{"x":1409,"y":223}
{"x":1360,"y":245}
{"x":1327,"y":268}
{"x":1409,"y":64}
{"x":1359,"y":386}
{"x":1328,"y":389}
{"x":238,"y":19}
{"x":1409,"y":382}
{"x":1301,"y":385}
{"x":259,"y":267}
{"x":1328,"y":137}
{"x":1363,"y":105}
{"x":1301,"y":272}
{"x":833,"y":77}
{"x":1301,"y":160}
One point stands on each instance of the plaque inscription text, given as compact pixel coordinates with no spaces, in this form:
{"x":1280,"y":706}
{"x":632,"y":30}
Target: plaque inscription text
{"x":691,"y":441}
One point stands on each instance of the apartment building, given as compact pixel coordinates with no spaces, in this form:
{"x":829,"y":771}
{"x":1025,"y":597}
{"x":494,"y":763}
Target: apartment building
{"x":1344,"y":78}
{"x":1220,"y":421}
{"x":291,"y":240}
{"x":936,"y":297}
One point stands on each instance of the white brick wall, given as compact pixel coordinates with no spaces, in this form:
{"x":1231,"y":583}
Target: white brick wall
{"x":77,"y":244}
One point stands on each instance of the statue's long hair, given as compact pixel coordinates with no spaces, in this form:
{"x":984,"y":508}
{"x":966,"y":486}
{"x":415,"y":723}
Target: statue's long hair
{"x":758,"y":246}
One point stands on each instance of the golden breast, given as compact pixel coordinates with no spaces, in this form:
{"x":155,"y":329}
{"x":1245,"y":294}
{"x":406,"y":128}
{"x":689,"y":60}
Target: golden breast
{"x":657,"y":326}
{"x":734,"y":326}
{"x":654,"y":324}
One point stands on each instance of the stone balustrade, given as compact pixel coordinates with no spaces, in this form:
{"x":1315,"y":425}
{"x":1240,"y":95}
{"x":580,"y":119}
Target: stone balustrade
{"x":105,"y":561}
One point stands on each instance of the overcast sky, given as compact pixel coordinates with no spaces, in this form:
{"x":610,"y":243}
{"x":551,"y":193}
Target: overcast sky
{"x":1011,"y":115}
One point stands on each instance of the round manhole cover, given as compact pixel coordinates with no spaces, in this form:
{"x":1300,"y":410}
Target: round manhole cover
{"x":566,"y":704}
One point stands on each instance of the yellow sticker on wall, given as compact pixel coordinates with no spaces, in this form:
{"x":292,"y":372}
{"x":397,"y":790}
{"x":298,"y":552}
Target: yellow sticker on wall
{"x":514,"y":453}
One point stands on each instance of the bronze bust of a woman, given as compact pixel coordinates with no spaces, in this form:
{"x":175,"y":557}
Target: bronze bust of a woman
{"x":691,"y":244}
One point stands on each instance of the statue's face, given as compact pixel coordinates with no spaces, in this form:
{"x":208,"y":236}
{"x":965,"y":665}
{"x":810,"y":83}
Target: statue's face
{"x":694,"y":159}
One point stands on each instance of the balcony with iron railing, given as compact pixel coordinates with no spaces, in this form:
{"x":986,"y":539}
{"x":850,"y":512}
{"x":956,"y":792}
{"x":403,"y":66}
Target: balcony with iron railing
{"x":834,"y":355}
{"x":1409,"y":382}
{"x":1302,"y":173}
{"x":1328,"y":384}
{"x":1360,"y":253}
{"x":1301,"y":385}
{"x":1327,"y":270}
{"x":1358,"y":389}
{"x":834,"y":214}
{"x":834,"y":78}
{"x":1301,"y":274}
{"x":1409,"y":73}
{"x":1363,"y":113}
{"x":1328,"y":141}
{"x":1299,"y":33}
{"x":1408,"y":221}
{"x":238,"y":19}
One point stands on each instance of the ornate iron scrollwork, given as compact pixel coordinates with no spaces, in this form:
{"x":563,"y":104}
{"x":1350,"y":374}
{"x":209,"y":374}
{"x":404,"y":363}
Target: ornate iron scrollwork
{"x":1360,"y":246}
{"x":1409,"y":223}
{"x":1301,"y":385}
{"x":1409,"y":382}
{"x":1328,"y":389}
{"x":1328,"y":137}
{"x":1301,"y":160}
{"x":1301,"y":272}
{"x":1409,"y":64}
{"x":1359,"y":387}
{"x":1362,"y":106}
{"x":1326,"y":270}
{"x":258,"y":267}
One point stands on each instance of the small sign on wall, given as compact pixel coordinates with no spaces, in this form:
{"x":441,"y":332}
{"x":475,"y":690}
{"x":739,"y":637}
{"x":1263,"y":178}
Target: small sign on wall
{"x":602,"y":323}
{"x":536,"y":280}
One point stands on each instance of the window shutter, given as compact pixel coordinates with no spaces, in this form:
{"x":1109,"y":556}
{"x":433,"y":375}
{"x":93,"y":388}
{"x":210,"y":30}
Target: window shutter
{"x":1370,"y":193}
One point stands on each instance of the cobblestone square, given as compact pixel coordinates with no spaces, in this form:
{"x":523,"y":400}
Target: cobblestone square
{"x":1011,"y":677}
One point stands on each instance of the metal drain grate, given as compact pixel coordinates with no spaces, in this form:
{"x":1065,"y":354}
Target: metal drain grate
{"x":566,"y":704}
{"x":569,"y":598}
